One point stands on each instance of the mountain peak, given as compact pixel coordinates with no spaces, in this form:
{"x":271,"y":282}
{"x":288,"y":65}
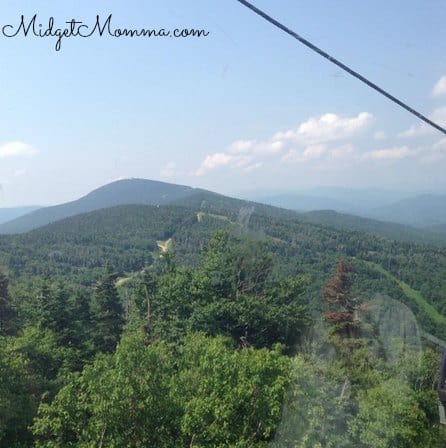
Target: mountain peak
{"x":119,"y":192}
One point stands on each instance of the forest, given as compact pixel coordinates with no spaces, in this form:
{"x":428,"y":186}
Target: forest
{"x":146,"y":326}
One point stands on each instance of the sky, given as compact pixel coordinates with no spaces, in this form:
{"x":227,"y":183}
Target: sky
{"x":244,"y":108}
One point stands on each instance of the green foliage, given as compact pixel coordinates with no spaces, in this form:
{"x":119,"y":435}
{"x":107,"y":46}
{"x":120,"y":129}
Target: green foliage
{"x":106,"y":313}
{"x":390,"y":415}
{"x":232,"y":292}
{"x":230,"y":398}
{"x":254,"y":283}
{"x":17,"y":403}
{"x":7,"y":312}
{"x":118,"y":401}
{"x":317,"y":409}
{"x":76,"y":249}
{"x":205,"y":394}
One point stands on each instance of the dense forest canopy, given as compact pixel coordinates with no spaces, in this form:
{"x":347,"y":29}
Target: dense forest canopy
{"x":206,"y":324}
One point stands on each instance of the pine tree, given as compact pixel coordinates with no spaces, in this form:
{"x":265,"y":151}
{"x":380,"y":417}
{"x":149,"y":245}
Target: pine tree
{"x":107,"y":313}
{"x":7,"y":312}
{"x":342,"y":307}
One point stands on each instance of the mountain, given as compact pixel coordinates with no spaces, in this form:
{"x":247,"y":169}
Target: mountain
{"x":344,"y":200}
{"x":149,"y":192}
{"x":75,"y":249}
{"x":122,"y":192}
{"x":142,"y":192}
{"x":10,"y":213}
{"x":360,"y":199}
{"x":391,"y":230}
{"x":303,"y":202}
{"x":426,"y":210}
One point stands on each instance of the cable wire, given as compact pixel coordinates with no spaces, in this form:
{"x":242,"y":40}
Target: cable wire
{"x":341,"y":65}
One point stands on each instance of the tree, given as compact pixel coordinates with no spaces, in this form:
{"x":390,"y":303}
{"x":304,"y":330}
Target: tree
{"x":230,"y":398}
{"x":342,"y":307}
{"x":107,"y":313}
{"x":7,"y":312}
{"x":317,"y":408}
{"x":389,"y":416}
{"x":119,"y":400}
{"x":17,"y":404}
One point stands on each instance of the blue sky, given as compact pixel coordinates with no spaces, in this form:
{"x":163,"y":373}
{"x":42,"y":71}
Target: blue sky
{"x":246,"y":107}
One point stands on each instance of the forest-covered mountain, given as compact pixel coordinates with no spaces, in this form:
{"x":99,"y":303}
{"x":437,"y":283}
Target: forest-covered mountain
{"x":148,"y":192}
{"x":10,"y":213}
{"x":355,"y":201}
{"x":129,"y":237}
{"x":392,"y":230}
{"x":421,"y":211}
{"x":212,"y":321}
{"x":302,"y":202}
{"x":121,"y":192}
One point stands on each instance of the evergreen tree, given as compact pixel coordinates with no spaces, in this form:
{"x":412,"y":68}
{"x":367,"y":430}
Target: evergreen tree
{"x":7,"y":312}
{"x":343,"y":308}
{"x":107,"y":313}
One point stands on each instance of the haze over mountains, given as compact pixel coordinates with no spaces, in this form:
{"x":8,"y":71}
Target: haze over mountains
{"x":388,"y":214}
{"x":10,"y":213}
{"x":418,"y":210}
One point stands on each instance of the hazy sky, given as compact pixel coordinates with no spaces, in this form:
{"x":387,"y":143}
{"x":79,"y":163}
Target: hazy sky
{"x":245,"y":107}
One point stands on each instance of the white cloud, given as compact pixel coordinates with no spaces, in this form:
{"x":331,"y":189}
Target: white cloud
{"x":241,"y":161}
{"x":308,"y":141}
{"x":326,"y":128}
{"x":436,"y":153}
{"x":342,"y":152}
{"x":379,"y":135}
{"x":240,"y":154}
{"x":241,"y":146}
{"x":311,"y":152}
{"x":20,"y":172}
{"x":168,"y":171}
{"x":265,"y":148}
{"x":417,"y":130}
{"x":395,"y":153}
{"x":214,"y":161}
{"x":314,"y":152}
{"x":318,"y":152}
{"x":221,"y":159}
{"x":16,"y":149}
{"x":293,"y":155}
{"x":253,"y":167}
{"x":441,"y":144}
{"x":440,"y":87}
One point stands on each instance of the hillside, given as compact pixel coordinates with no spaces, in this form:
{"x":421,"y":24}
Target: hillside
{"x":148,"y":192}
{"x":389,"y":230}
{"x":302,"y":202}
{"x":75,"y":249}
{"x":132,"y":302}
{"x":77,"y":244}
{"x":122,"y":192}
{"x":10,"y":213}
{"x":355,"y":201}
{"x":421,"y":211}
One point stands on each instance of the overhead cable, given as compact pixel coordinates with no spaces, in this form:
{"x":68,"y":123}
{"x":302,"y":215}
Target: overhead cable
{"x":341,"y":65}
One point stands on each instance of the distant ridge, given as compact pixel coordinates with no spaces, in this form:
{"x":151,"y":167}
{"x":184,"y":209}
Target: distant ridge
{"x":391,"y":230}
{"x":426,"y":210}
{"x":155,"y":193}
{"x":121,"y":192}
{"x":9,"y":213}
